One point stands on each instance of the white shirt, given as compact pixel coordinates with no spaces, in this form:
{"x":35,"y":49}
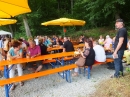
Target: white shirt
{"x":100,"y":55}
{"x":23,"y":45}
{"x":36,"y":40}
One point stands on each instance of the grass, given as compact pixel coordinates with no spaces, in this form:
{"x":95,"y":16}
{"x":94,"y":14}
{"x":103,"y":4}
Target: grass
{"x":116,"y":87}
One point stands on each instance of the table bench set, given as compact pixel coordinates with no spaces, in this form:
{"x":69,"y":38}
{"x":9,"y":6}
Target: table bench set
{"x":57,"y":61}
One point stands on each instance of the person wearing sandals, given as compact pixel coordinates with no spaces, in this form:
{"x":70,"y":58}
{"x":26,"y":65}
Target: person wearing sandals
{"x":14,"y":53}
{"x":88,"y":54}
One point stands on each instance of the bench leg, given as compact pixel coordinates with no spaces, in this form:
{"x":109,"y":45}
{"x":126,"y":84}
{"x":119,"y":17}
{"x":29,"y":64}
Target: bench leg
{"x":6,"y":75}
{"x":6,"y":90}
{"x":68,"y":76}
{"x":63,"y":76}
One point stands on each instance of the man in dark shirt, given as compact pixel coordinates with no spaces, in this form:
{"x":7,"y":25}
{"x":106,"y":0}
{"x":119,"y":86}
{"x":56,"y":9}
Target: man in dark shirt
{"x":68,"y":46}
{"x":119,"y":47}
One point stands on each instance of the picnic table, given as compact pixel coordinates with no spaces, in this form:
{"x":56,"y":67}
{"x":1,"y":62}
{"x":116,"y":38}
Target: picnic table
{"x":60,"y":48}
{"x":7,"y":82}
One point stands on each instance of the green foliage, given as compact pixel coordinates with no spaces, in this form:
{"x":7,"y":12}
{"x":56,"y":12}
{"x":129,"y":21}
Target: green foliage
{"x":96,"y":13}
{"x":18,"y":35}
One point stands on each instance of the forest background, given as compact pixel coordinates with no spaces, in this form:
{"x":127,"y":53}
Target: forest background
{"x":100,"y":16}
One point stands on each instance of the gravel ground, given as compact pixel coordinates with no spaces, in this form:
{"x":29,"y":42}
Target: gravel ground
{"x":55,"y":86}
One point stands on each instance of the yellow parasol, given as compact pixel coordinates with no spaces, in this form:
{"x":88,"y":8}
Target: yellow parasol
{"x":65,"y":22}
{"x":7,"y":21}
{"x":11,"y":8}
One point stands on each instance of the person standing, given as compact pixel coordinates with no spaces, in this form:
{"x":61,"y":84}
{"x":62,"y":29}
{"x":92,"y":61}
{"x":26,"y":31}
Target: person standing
{"x":119,"y":47}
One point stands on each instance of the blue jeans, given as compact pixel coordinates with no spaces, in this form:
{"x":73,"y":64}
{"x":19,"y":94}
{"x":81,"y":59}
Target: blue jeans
{"x":118,"y":63}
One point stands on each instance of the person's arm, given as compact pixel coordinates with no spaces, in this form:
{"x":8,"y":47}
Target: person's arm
{"x":3,"y":53}
{"x":121,"y":39}
{"x":64,"y":46}
{"x":64,"y":50}
{"x":85,"y":53}
{"x":104,"y":42}
{"x":9,"y":56}
{"x":20,"y":54}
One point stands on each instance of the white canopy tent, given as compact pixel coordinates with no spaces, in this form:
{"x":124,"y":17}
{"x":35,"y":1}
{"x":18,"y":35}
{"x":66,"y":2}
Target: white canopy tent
{"x":5,"y":33}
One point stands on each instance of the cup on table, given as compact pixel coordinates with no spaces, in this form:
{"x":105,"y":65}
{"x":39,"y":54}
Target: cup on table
{"x":9,"y":59}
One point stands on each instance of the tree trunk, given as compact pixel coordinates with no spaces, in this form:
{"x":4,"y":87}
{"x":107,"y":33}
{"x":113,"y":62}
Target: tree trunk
{"x":27,"y":29}
{"x":71,"y":6}
{"x":117,"y":13}
{"x":11,"y":30}
{"x":117,"y":16}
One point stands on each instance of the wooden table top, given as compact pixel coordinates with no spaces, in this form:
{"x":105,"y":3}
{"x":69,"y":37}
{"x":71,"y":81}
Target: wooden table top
{"x":52,"y":49}
{"x":78,"y":46}
{"x":43,"y":57}
{"x":59,"y":48}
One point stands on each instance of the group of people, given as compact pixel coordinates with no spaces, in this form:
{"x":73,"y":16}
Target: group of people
{"x":32,"y":48}
{"x":93,"y":50}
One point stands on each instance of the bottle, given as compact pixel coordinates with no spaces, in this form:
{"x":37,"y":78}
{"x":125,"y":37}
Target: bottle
{"x":28,"y":55}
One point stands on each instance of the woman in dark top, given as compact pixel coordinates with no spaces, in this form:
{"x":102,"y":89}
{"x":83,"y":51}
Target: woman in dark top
{"x":59,"y":42}
{"x":42,"y":47}
{"x":88,"y":54}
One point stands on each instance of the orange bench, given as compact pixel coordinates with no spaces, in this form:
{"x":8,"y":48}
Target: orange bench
{"x":34,"y":75}
{"x":1,"y":68}
{"x":88,"y":69}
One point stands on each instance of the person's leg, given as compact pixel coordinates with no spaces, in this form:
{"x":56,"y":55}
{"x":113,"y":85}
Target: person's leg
{"x":120,"y":54}
{"x":39,"y":64}
{"x":20,"y":72}
{"x":117,"y":67}
{"x":76,"y":70}
{"x":30,"y":66}
{"x":12,"y":74}
{"x":118,"y":64}
{"x":12,"y":71}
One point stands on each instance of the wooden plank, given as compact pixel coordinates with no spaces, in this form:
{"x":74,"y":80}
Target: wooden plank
{"x":43,"y":57}
{"x":53,"y":60}
{"x":34,"y":75}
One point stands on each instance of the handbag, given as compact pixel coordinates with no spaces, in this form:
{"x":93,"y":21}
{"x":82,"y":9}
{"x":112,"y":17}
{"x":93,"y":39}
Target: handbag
{"x":80,"y":62}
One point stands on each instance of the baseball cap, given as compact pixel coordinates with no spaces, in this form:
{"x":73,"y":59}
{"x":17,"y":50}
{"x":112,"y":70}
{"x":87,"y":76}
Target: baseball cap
{"x":119,"y":20}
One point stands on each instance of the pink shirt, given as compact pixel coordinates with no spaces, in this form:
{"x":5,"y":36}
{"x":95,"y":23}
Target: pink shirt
{"x":108,"y":42}
{"x":34,"y":51}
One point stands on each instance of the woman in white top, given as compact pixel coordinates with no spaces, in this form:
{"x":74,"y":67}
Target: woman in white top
{"x":101,"y":40}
